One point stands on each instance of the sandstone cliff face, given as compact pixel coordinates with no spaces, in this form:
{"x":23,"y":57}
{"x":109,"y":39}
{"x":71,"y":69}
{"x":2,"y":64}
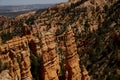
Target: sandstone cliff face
{"x":16,"y":54}
{"x":85,"y":75}
{"x":72,"y":59}
{"x":73,"y":71}
{"x":50,"y":57}
{"x":4,"y":75}
{"x":14,"y":69}
{"x":89,"y":36}
{"x":25,"y":64}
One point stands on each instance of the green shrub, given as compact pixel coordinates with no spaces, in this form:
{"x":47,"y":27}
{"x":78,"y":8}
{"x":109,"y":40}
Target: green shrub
{"x":3,"y":66}
{"x":5,"y":37}
{"x":35,"y":66}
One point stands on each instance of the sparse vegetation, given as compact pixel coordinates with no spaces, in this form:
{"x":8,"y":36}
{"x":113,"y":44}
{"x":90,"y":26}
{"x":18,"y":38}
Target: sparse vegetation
{"x":98,"y":49}
{"x":35,"y":66}
{"x":4,"y":66}
{"x":6,"y":36}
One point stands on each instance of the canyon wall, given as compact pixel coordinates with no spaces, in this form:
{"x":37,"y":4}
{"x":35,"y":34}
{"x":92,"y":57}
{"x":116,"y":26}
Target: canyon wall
{"x":15,"y":55}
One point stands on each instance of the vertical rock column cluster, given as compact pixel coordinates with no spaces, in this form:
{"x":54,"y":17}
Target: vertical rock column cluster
{"x":72,"y":59}
{"x":73,"y":71}
{"x":14,"y":69}
{"x":25,"y":64}
{"x":50,"y":57}
{"x":16,"y":53}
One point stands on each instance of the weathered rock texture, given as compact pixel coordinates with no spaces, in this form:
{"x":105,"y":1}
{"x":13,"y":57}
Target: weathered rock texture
{"x":72,"y":59}
{"x":85,"y":75}
{"x":50,"y":57}
{"x":25,"y":64}
{"x":73,"y":71}
{"x":16,"y":54}
{"x":4,"y":75}
{"x":14,"y":69}
{"x":94,"y":24}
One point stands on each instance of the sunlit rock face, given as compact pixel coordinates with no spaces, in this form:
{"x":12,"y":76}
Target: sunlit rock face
{"x":4,"y":75}
{"x":67,"y":52}
{"x":16,"y":54}
{"x":72,"y":59}
{"x":15,"y":57}
{"x":73,"y":71}
{"x":50,"y":57}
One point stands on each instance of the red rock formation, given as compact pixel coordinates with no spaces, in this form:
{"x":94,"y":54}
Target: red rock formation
{"x":4,"y":75}
{"x":25,"y":66}
{"x":85,"y":75}
{"x":14,"y":69}
{"x":50,"y":57}
{"x":73,"y":71}
{"x":72,"y":59}
{"x":16,"y":53}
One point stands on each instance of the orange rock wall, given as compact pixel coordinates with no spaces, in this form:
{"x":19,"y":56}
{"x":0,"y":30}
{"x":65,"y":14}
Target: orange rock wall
{"x":17,"y":53}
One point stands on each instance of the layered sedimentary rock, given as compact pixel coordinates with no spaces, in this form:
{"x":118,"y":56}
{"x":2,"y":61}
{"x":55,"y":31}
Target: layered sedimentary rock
{"x":72,"y":59}
{"x":85,"y":75}
{"x":73,"y":71}
{"x":25,"y":64}
{"x":85,"y":17}
{"x":50,"y":57}
{"x":35,"y":47}
{"x":4,"y":75}
{"x":14,"y":69}
{"x":16,"y":54}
